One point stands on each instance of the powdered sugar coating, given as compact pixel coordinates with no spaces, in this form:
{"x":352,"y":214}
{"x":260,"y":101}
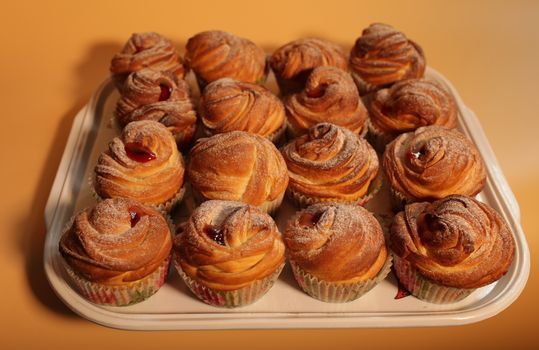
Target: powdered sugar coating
{"x":336,"y":242}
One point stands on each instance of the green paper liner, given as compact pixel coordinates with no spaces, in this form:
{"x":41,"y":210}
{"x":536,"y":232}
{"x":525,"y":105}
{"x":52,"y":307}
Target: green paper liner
{"x":425,"y":289}
{"x":335,"y":292}
{"x":120,"y":295}
{"x":233,"y":298}
{"x":303,"y":201}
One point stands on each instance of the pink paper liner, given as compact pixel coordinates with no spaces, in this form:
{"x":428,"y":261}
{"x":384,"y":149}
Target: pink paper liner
{"x":233,"y":298}
{"x":334,"y":292}
{"x":425,"y":289}
{"x":120,"y":295}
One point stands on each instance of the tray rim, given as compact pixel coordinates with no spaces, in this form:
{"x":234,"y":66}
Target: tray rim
{"x":263,"y":320}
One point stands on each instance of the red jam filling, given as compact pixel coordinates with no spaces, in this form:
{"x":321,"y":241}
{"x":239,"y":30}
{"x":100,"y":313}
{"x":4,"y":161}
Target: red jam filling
{"x":215,"y":234}
{"x":166,"y":91}
{"x":135,"y":217}
{"x":138,"y":152}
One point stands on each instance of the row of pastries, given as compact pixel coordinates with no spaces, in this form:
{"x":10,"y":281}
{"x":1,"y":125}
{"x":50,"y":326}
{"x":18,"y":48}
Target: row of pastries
{"x":352,"y":122}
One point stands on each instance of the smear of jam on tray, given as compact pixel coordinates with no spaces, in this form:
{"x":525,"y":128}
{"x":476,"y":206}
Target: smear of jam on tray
{"x":401,"y":291}
{"x":215,"y":234}
{"x":138,"y":152}
{"x":166,"y":91}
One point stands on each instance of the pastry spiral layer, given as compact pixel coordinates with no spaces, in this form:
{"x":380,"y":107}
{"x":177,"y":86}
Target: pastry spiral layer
{"x":228,"y":105}
{"x":238,"y":166}
{"x":433,"y":162}
{"x":117,"y":241}
{"x":292,"y":63}
{"x":383,"y":55}
{"x":146,"y":50}
{"x":330,"y":95}
{"x":159,"y":96}
{"x":330,"y":163}
{"x":336,"y":242}
{"x":456,"y":241}
{"x":410,"y":104}
{"x":143,"y":164}
{"x":227,"y":245}
{"x":216,"y":54}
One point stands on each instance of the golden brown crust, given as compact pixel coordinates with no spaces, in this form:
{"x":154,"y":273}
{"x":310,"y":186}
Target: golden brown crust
{"x":382,"y":55}
{"x":117,"y":241}
{"x":159,"y":96}
{"x":410,"y":104}
{"x":330,"y":163}
{"x":227,"y":245}
{"x":330,"y":95}
{"x":238,"y":166}
{"x":216,"y":54}
{"x":293,"y":62}
{"x":146,"y":50}
{"x":432,"y":163}
{"x":336,"y":242}
{"x":154,"y":181}
{"x":456,"y":241}
{"x":229,"y":105}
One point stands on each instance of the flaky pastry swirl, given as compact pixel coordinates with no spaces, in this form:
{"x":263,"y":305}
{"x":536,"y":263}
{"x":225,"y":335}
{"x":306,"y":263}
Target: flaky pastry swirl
{"x":146,"y":50}
{"x":433,"y":162}
{"x":383,"y":55}
{"x":159,"y":96}
{"x":410,"y":104}
{"x":330,"y":163}
{"x":143,"y":164}
{"x":293,"y":62}
{"x":456,"y":241}
{"x":117,"y":241}
{"x":330,"y":95}
{"x":226,"y":245}
{"x":336,"y":242}
{"x":216,"y":54}
{"x":228,"y":105}
{"x":238,"y":166}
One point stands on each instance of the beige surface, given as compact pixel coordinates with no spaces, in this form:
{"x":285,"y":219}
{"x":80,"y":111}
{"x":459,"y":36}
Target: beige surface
{"x":54,"y":55}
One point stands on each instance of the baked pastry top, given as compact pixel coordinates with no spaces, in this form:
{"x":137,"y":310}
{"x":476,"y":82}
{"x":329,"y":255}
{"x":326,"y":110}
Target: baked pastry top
{"x":456,"y":241}
{"x":330,"y":163}
{"x":336,"y":242}
{"x":117,"y":241}
{"x":237,"y":166}
{"x":433,"y":162}
{"x":227,"y":245}
{"x":216,"y":54}
{"x":143,"y":164}
{"x":154,"y":95}
{"x":383,"y":55}
{"x":293,"y":62}
{"x":410,"y":104}
{"x":144,"y":50}
{"x":228,"y":105}
{"x":329,"y":95}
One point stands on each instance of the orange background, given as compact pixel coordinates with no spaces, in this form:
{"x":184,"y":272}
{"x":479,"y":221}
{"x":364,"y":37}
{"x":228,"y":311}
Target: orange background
{"x":54,"y":55}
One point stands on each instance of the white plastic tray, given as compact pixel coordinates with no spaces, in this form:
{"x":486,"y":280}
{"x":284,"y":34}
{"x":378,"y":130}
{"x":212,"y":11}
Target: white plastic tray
{"x":285,"y":305}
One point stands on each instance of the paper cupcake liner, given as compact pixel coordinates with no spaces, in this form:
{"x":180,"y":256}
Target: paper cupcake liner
{"x":334,"y":292}
{"x":398,"y":200}
{"x":269,"y":207}
{"x":120,"y":295}
{"x":377,"y":138}
{"x":164,"y":208}
{"x":303,"y":201}
{"x":233,"y":298}
{"x":425,"y":289}
{"x":363,"y":87}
